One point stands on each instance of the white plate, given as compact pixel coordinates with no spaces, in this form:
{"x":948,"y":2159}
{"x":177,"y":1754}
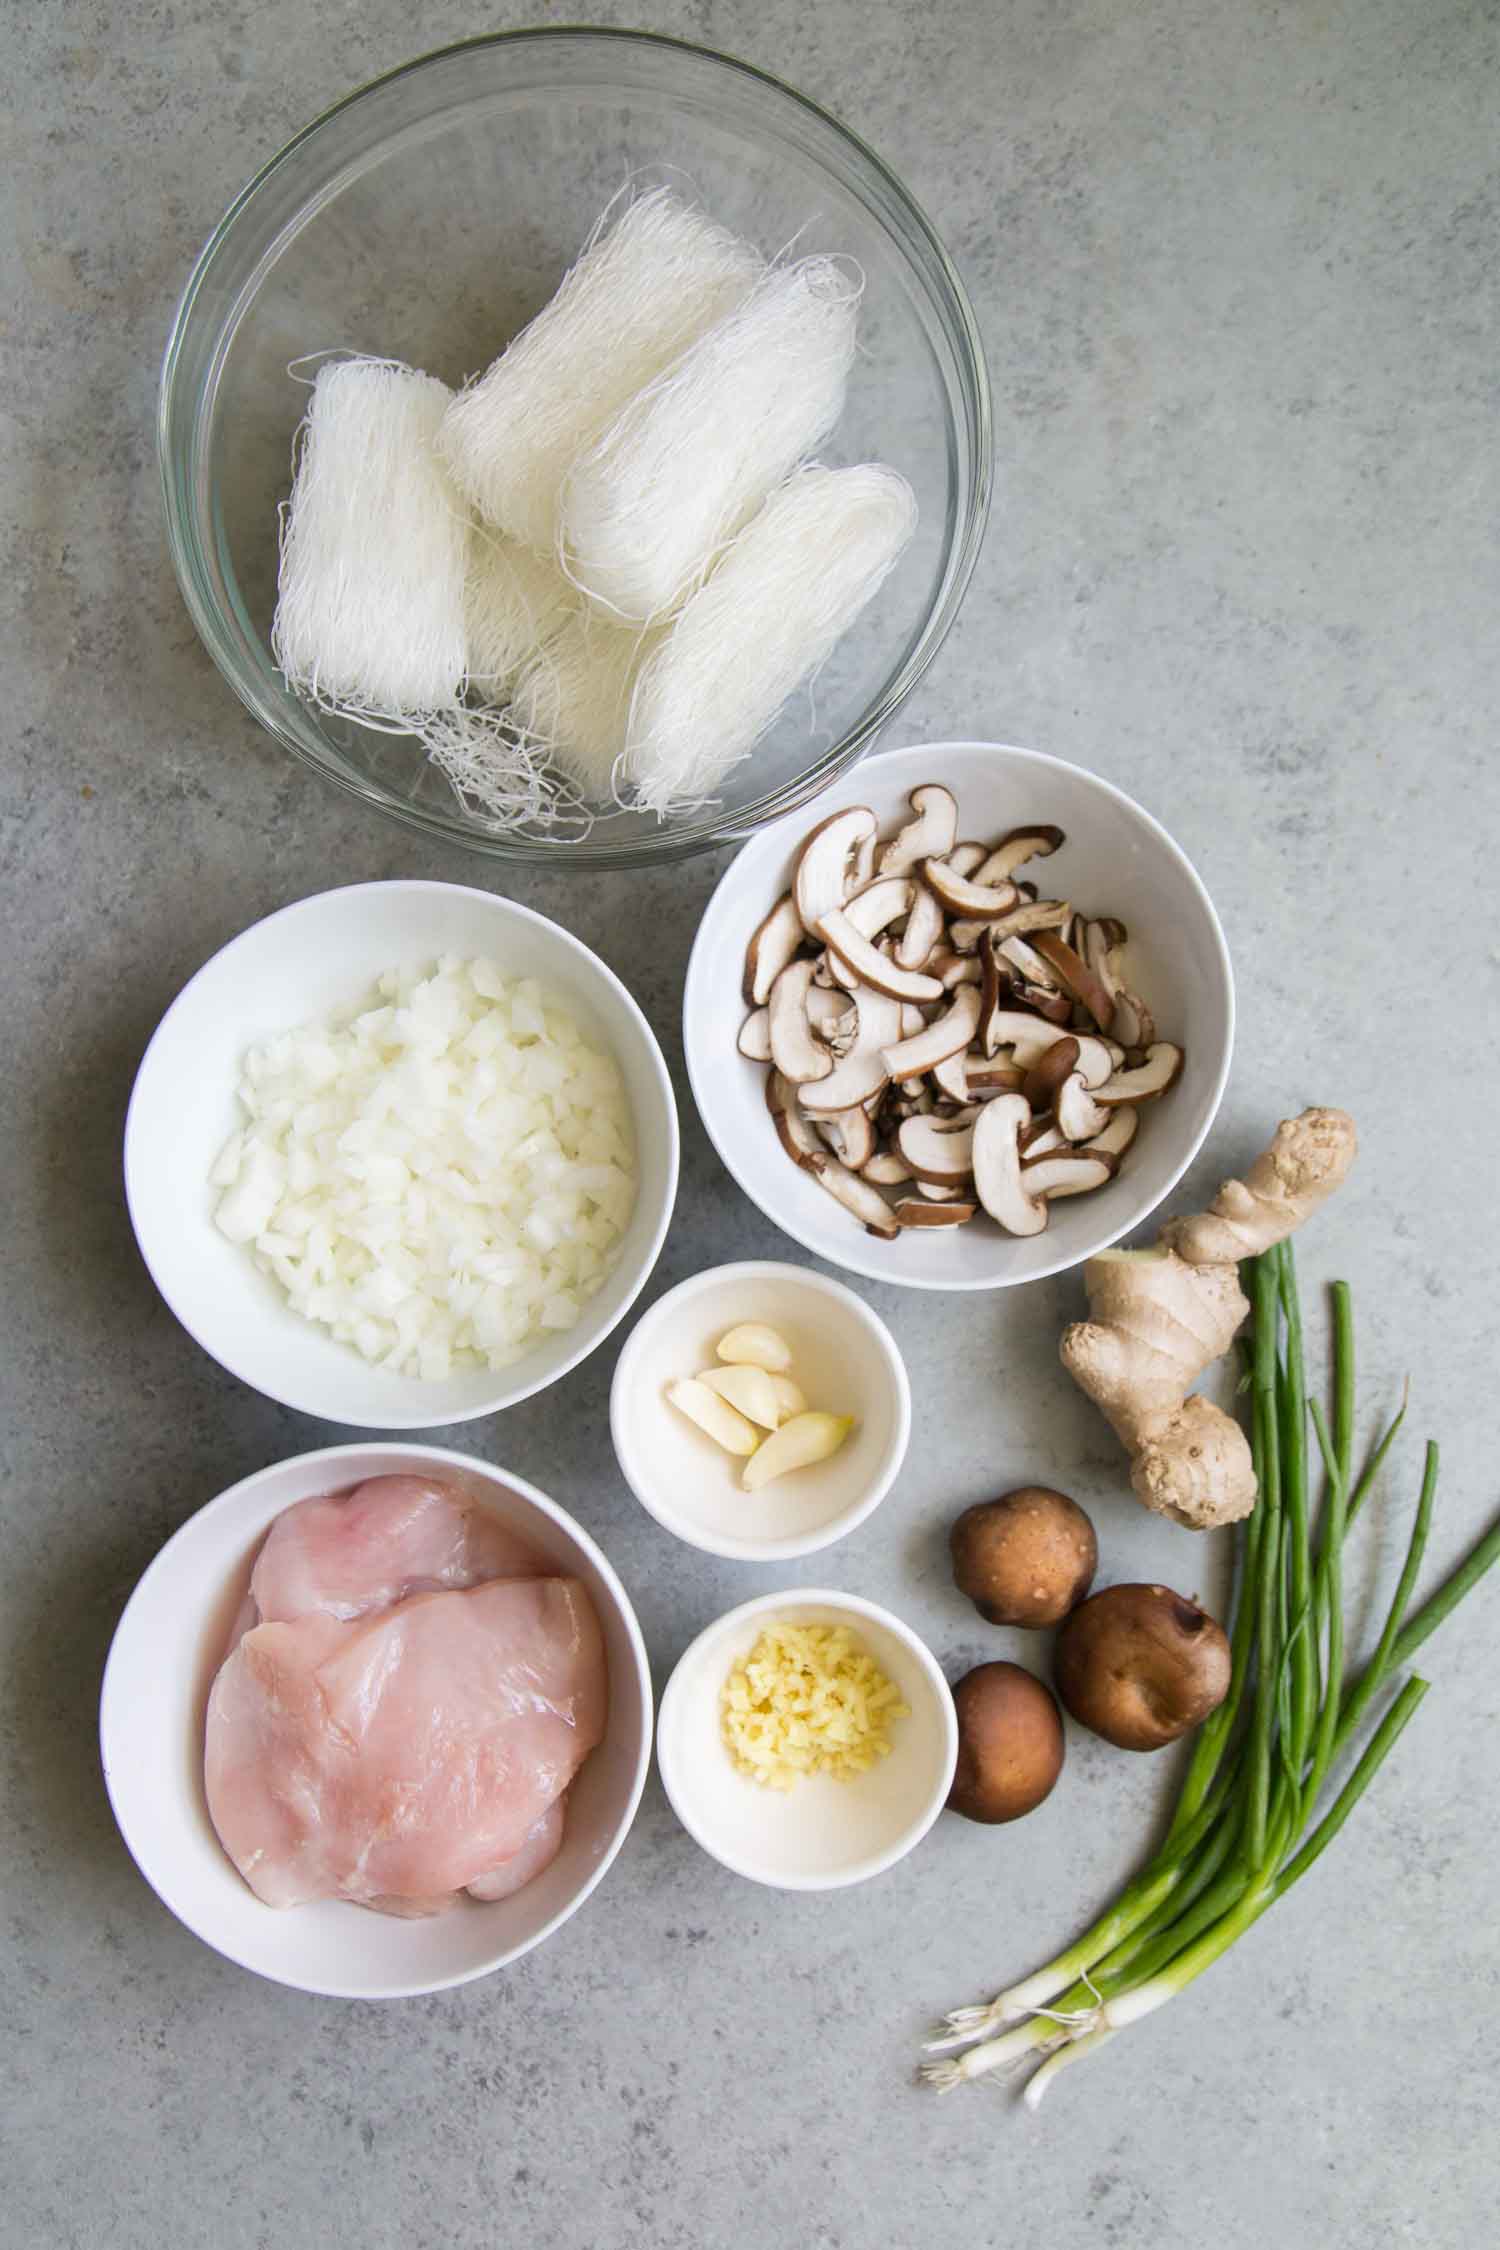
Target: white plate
{"x":1117,"y":860}
{"x":165,"y":1653}
{"x":821,"y":1835}
{"x":844,"y":1360}
{"x":301,"y":963}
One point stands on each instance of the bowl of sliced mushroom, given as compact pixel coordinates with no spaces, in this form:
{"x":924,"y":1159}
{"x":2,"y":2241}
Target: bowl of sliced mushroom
{"x":965,"y":1023}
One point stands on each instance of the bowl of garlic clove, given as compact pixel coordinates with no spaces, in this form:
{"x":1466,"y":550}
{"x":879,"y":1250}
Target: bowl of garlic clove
{"x":760,"y":1411}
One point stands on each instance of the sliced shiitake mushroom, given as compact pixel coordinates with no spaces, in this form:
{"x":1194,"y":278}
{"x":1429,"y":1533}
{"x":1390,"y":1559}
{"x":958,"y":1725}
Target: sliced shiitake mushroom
{"x":822,"y":878}
{"x":953,"y":968}
{"x":755,"y":1036}
{"x":1078,"y":1115}
{"x":771,"y":946}
{"x":923,"y":932}
{"x":937,"y":1042}
{"x":1028,"y":1036}
{"x":1149,"y":1078}
{"x":880,"y":903}
{"x":996,"y":1158}
{"x":850,"y":1135}
{"x":1041,"y":915}
{"x":1076,"y":977}
{"x":936,"y":1150}
{"x":1014,"y":849}
{"x":939,"y":1191}
{"x":951,"y":1077}
{"x":1048,"y":1072}
{"x":929,"y":835}
{"x":983,"y":1079}
{"x":834,"y":1017}
{"x":887,"y":1169}
{"x":861,"y":1072}
{"x":794,"y":1130}
{"x":795,"y":1049}
{"x":1098,"y":1059}
{"x":1118,"y":1134}
{"x":1040,"y":1138}
{"x":872,"y":967}
{"x":964,"y":858}
{"x":921,"y":1211}
{"x":867,"y":1203}
{"x":960,"y":894}
{"x":1066,"y":1171}
{"x":1132,"y":1021}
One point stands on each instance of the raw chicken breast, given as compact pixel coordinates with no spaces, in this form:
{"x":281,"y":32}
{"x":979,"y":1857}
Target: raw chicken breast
{"x":402,"y":1755}
{"x":538,"y":1851}
{"x":350,"y":1552}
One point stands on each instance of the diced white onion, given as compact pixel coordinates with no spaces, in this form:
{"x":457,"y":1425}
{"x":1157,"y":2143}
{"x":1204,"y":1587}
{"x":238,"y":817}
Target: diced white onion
{"x":440,"y":1175}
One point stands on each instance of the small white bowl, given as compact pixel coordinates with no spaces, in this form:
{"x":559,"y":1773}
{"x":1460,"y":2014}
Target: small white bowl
{"x":1117,"y":860}
{"x":844,"y":1360}
{"x":166,"y":1650}
{"x":300,"y":964}
{"x":821,"y":1835}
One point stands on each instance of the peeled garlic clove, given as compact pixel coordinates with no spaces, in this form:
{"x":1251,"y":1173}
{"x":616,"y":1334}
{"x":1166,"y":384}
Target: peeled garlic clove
{"x":753,"y":1345}
{"x":750,"y":1389}
{"x":713,"y":1415}
{"x":789,"y":1399}
{"x":796,"y":1445}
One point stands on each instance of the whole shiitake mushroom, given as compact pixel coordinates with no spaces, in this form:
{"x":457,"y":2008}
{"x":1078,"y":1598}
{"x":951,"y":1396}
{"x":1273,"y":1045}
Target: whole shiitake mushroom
{"x":1141,"y":1665}
{"x":1026,"y":1558}
{"x":1010,"y":1743}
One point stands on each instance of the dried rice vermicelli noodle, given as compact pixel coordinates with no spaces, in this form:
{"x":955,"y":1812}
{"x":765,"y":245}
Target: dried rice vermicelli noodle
{"x":499,"y":775}
{"x":689,"y":460}
{"x":572,"y":702}
{"x":370,"y":607}
{"x":514,"y":599}
{"x":793,"y":581}
{"x":648,"y":282}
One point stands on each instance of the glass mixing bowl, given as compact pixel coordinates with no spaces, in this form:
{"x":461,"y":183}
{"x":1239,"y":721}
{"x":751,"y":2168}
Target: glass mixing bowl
{"x":427,"y":218}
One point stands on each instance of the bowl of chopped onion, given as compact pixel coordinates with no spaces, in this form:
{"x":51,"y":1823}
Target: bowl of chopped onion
{"x":401,"y":1154}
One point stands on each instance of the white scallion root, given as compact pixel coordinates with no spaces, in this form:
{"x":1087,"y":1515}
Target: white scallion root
{"x":693,"y":455}
{"x":652,"y":277}
{"x":370,"y":608}
{"x":769,"y":614}
{"x":1023,"y":2044}
{"x":963,"y":2025}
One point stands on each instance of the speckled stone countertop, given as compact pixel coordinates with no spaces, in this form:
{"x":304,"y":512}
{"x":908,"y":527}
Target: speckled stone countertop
{"x":1238,"y":271}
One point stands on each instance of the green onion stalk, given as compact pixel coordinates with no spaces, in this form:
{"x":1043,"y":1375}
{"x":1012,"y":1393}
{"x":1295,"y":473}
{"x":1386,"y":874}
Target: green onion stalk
{"x":1256,"y":1808}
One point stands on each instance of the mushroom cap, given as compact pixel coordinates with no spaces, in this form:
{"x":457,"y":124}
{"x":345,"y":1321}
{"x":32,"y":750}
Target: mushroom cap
{"x":1010,"y":1743}
{"x":1140,"y":1665}
{"x":1027,"y":1558}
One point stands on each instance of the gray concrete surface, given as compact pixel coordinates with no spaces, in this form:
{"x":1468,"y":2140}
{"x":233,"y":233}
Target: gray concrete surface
{"x":1237,"y":270}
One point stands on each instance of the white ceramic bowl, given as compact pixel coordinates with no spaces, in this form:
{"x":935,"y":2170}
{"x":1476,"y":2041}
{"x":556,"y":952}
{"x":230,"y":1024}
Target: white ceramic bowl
{"x":821,"y":1835}
{"x":166,"y":1650}
{"x":843,"y":1359}
{"x":1117,"y":860}
{"x":297,"y":965}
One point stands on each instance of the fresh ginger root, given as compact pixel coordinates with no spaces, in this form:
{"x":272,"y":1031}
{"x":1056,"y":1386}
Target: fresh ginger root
{"x":1303,"y":1165}
{"x":1160,"y":1317}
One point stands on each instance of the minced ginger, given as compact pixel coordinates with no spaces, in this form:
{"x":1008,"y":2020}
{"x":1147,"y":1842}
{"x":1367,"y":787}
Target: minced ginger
{"x":808,"y":1699}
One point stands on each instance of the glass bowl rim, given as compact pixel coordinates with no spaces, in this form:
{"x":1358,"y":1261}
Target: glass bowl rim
{"x":710,"y":831}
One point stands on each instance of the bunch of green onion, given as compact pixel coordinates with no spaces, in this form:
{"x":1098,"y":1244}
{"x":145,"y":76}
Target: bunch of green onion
{"x":1242,"y":1830}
